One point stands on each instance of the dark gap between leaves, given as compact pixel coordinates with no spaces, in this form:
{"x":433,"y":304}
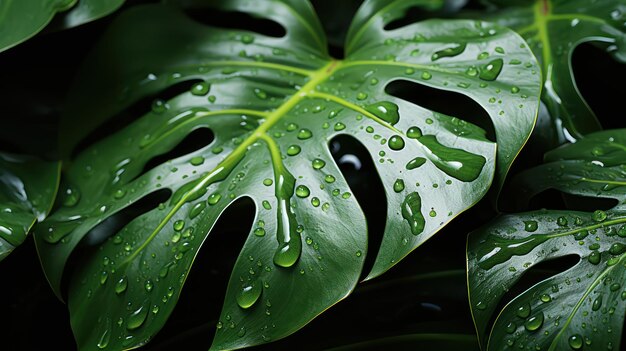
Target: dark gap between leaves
{"x":602,"y":86}
{"x":358,"y":169}
{"x":127,"y":116}
{"x":538,"y":273}
{"x":235,"y":20}
{"x":194,"y":141}
{"x":108,"y":227}
{"x":442,"y":101}
{"x":411,"y":15}
{"x":192,"y":323}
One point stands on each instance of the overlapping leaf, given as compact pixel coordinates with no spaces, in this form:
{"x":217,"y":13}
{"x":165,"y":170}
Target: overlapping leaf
{"x":27,"y":190}
{"x":273,"y":105}
{"x":553,"y":30}
{"x":582,"y":307}
{"x":22,"y":19}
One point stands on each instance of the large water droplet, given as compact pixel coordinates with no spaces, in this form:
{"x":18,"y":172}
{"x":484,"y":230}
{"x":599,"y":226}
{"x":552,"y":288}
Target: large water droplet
{"x":575,"y":342}
{"x":385,"y":110}
{"x":535,"y":322}
{"x":302,"y":191}
{"x":396,"y":143}
{"x":415,"y":163}
{"x":304,"y":134}
{"x":492,"y":70}
{"x":249,"y":294}
{"x":449,"y":52}
{"x":200,"y":89}
{"x":412,"y":212}
{"x":137,"y":317}
{"x":457,"y":163}
{"x":121,"y":285}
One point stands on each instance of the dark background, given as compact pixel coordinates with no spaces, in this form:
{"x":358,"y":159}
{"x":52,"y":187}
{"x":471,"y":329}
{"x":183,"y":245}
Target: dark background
{"x":425,"y":293}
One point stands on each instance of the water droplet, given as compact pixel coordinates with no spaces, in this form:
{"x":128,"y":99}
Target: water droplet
{"x":137,"y":318}
{"x":412,"y":212}
{"x":449,"y":52}
{"x":523,"y":311}
{"x":261,"y":94}
{"x":491,"y":70}
{"x":545,"y":298}
{"x":457,"y":163}
{"x":535,"y":322}
{"x":214,"y":198}
{"x":304,"y":134}
{"x":318,"y":164}
{"x":293,"y":150}
{"x":247,"y":39}
{"x":149,"y":285}
{"x":266,"y":205}
{"x":426,"y":75}
{"x":329,"y":179}
{"x":575,"y":342}
{"x":158,"y":106}
{"x":514,"y":90}
{"x":179,"y":225}
{"x":361,"y":96}
{"x":339,"y":126}
{"x":561,"y":221}
{"x":200,"y":89}
{"x":72,"y":196}
{"x":617,"y":249}
{"x":315,"y":202}
{"x":119,"y":193}
{"x":358,"y":253}
{"x":530,"y":226}
{"x":241,"y":332}
{"x":196,"y":210}
{"x":396,"y":143}
{"x":121,"y":285}
{"x":104,"y":339}
{"x":302,"y":191}
{"x":197,"y":160}
{"x":415,"y":163}
{"x":259,"y":231}
{"x":249,"y":294}
{"x":385,"y":110}
{"x":414,"y":133}
{"x":598,"y":215}
{"x":398,"y":185}
{"x":432,"y":213}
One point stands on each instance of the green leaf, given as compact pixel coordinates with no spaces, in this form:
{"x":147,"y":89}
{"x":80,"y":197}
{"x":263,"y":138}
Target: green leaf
{"x":27,"y":191}
{"x":22,"y":19}
{"x":553,"y":30}
{"x":86,"y":11}
{"x":273,"y":104}
{"x":582,"y":306}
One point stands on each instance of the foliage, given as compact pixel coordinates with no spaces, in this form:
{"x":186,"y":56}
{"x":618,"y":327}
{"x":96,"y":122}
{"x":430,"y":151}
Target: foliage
{"x":308,"y":148}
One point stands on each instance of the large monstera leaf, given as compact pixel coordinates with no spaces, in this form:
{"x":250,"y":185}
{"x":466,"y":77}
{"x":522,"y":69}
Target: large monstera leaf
{"x":27,"y":190}
{"x":553,"y":29}
{"x":582,"y":307}
{"x":22,"y":19}
{"x":273,"y":105}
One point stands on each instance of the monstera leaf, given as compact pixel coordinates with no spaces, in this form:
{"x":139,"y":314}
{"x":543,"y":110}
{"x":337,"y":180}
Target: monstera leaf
{"x":27,"y":190}
{"x":553,"y":29}
{"x":582,"y":307}
{"x":273,"y":105}
{"x":22,"y":19}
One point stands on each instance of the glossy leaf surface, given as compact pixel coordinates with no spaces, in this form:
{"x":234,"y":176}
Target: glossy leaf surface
{"x":553,"y":30}
{"x":22,"y":19}
{"x":27,"y":190}
{"x":581,"y":307}
{"x":273,"y":104}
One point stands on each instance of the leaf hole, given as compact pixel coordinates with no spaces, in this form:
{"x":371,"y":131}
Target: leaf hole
{"x":127,"y":116}
{"x":599,"y":78}
{"x":235,"y":20}
{"x":194,"y":141}
{"x":358,"y":169}
{"x":445,"y":102}
{"x":540,"y":272}
{"x":108,"y":227}
{"x":207,"y":281}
